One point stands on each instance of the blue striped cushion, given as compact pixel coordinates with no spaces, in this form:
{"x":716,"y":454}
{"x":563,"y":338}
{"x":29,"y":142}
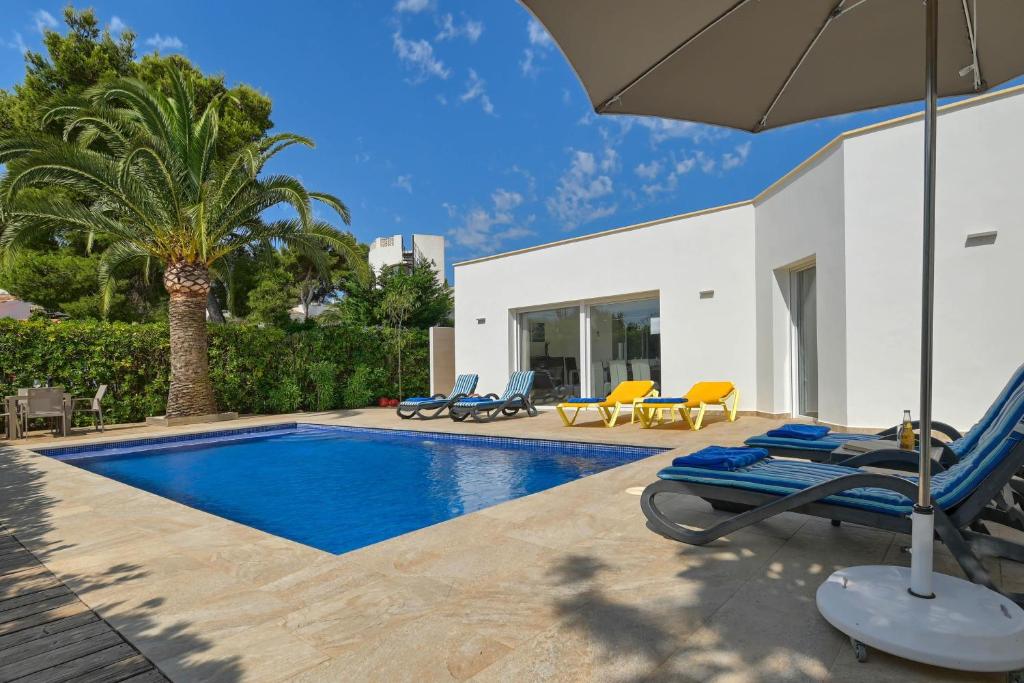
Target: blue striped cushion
{"x":465,"y":384}
{"x":422,"y":400}
{"x":828,"y":444}
{"x":970,"y":439}
{"x":521,"y":382}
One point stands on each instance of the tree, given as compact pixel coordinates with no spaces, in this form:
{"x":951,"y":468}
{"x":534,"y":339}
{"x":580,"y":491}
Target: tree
{"x":86,"y":55}
{"x":361,"y":305}
{"x":314,"y":285}
{"x":395,"y":307}
{"x":270,"y":301}
{"x":158,"y":192}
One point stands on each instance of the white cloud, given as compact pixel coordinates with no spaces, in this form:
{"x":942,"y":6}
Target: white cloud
{"x":670,"y":129}
{"x":418,"y":55}
{"x":527,"y":65}
{"x":685,"y":166}
{"x":476,"y":89}
{"x":566,"y":96}
{"x":362,"y":157}
{"x":471,"y":29}
{"x":403,"y":182}
{"x":44,"y":20}
{"x":117,"y":26}
{"x":506,"y":200}
{"x":737,"y":157}
{"x":159,"y":42}
{"x":483,"y":229}
{"x":412,"y":6}
{"x":576,"y":200}
{"x":650,"y":170}
{"x":15,"y":43}
{"x":539,"y":35}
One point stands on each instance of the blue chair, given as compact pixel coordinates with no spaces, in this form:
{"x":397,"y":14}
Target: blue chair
{"x":487,"y":408}
{"x":963,"y":495}
{"x":426,"y":408}
{"x":821,"y":449}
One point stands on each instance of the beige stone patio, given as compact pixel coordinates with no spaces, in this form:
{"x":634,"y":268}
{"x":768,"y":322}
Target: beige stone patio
{"x":566,"y":584}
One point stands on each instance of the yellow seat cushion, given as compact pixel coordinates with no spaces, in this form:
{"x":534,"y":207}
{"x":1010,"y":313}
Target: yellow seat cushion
{"x":629,"y":391}
{"x":708,"y":392}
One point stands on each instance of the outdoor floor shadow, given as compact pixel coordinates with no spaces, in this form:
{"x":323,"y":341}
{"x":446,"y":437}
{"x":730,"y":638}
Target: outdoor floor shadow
{"x":25,"y":509}
{"x":739,"y":609}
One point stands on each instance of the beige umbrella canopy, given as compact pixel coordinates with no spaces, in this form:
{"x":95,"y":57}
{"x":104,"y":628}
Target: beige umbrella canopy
{"x":758,"y":64}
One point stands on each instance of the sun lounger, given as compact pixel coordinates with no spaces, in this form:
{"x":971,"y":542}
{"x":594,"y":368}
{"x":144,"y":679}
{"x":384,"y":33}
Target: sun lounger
{"x":963,"y":495}
{"x":820,"y":449}
{"x":700,"y":396}
{"x":487,"y":408}
{"x":426,"y":408}
{"x":625,"y":394}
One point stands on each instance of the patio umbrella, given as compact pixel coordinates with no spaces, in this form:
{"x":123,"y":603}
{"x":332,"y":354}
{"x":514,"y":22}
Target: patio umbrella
{"x":761,"y":64}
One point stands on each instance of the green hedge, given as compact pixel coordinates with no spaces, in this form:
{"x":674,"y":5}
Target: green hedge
{"x":254,"y":370}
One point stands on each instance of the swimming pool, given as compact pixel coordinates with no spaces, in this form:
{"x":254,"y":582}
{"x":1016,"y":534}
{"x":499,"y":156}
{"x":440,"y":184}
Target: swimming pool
{"x":342,"y":488}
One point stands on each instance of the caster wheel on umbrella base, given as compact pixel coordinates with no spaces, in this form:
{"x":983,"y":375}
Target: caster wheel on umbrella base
{"x":860,"y":651}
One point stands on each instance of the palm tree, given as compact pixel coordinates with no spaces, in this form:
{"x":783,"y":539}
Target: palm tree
{"x":155,"y":191}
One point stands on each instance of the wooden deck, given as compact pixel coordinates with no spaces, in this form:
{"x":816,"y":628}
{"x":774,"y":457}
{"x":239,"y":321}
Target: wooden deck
{"x":48,"y":635}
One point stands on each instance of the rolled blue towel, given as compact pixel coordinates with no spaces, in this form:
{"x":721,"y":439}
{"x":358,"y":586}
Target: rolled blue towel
{"x":721,"y":458}
{"x":475,"y":399}
{"x":800,"y":431}
{"x":578,"y":399}
{"x":663,"y":399}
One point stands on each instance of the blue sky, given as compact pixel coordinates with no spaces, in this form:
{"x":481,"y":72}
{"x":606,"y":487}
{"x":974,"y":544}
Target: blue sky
{"x":445,"y":117}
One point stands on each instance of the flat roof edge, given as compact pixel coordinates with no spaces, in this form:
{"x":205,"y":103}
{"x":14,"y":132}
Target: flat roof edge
{"x":605,"y":233}
{"x":773,"y":187}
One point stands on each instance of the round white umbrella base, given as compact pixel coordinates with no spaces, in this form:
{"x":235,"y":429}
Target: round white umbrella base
{"x":965,"y":626}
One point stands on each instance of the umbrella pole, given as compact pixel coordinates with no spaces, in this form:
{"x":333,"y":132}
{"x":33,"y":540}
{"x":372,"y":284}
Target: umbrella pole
{"x":923,"y":518}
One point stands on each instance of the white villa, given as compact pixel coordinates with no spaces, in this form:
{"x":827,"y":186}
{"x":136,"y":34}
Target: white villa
{"x":806,"y":296}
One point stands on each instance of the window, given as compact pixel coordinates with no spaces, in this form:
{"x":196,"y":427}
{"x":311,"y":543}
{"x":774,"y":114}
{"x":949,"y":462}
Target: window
{"x":549,"y":344}
{"x":625,"y":343}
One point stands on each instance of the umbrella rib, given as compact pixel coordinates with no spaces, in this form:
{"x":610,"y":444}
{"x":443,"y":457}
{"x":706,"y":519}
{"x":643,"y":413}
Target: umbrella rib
{"x":601,"y":108}
{"x":836,"y":12}
{"x":972,"y":35}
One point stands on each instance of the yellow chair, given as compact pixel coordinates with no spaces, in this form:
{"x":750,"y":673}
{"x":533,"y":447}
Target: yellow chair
{"x":699,"y":397}
{"x":626,"y":393}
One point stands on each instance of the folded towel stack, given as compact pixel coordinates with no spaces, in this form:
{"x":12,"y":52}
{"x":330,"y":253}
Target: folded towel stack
{"x":721,"y":458}
{"x":800,"y":431}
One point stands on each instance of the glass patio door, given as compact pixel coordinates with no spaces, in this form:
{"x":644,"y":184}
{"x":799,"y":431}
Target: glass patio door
{"x":549,"y":344}
{"x":625,"y":343}
{"x":806,"y":329}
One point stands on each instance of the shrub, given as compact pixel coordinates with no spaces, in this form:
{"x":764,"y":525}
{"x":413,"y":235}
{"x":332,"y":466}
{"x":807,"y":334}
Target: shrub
{"x":254,"y":370}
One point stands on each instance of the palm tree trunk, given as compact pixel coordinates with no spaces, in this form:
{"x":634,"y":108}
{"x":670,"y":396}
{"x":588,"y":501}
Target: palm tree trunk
{"x":191,"y":392}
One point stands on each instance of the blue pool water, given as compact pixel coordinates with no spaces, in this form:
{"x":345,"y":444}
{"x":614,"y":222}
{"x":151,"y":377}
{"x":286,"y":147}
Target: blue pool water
{"x":338,"y":489}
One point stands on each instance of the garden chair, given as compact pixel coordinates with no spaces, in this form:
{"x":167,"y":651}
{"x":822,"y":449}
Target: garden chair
{"x":47,"y":403}
{"x":92,"y":405}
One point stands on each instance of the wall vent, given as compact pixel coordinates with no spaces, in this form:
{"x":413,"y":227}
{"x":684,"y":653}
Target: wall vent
{"x":981,"y":239}
{"x":481,"y":321}
{"x":707,"y":294}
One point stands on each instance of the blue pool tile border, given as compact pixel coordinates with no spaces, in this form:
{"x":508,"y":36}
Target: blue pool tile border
{"x":161,"y":440}
{"x":631,"y":452}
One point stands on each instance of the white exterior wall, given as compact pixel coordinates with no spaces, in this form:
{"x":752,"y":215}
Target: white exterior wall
{"x":431,"y":248}
{"x":979,"y":326}
{"x":855,"y":211}
{"x":385,"y":251}
{"x":801,"y":223}
{"x":701,"y":339}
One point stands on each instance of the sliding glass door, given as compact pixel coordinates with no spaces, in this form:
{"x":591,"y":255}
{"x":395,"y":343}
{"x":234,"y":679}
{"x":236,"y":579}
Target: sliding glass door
{"x":806,"y":329}
{"x":549,"y":344}
{"x":625,"y":343}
